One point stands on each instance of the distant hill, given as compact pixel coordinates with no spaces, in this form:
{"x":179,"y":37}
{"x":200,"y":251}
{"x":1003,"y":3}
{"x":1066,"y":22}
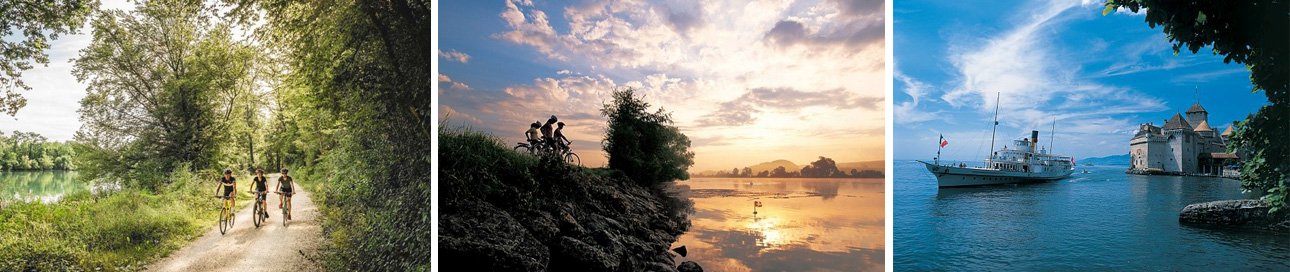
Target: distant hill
{"x":793,"y":167}
{"x":862,"y":166}
{"x":771,"y":165}
{"x":1108,"y":160}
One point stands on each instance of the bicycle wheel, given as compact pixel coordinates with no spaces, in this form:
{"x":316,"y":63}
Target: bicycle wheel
{"x":522,"y":149}
{"x":224,"y":224}
{"x":286,"y":209}
{"x":573,"y":159}
{"x":255,"y":214}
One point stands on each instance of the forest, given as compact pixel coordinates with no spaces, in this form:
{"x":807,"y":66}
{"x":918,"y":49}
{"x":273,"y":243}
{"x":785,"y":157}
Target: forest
{"x":337,"y":90}
{"x":21,"y":151}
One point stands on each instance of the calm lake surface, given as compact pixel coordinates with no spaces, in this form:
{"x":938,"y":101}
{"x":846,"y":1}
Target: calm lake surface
{"x":42,"y":186}
{"x":802,"y":225}
{"x":1103,"y":220}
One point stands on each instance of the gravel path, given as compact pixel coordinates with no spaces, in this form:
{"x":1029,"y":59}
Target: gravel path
{"x":272,"y":247}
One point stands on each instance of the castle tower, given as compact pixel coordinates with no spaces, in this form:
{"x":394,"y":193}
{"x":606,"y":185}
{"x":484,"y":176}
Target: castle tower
{"x":1197,"y":114}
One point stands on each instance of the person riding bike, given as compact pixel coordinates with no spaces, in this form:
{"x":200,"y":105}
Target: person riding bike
{"x":230,"y":185}
{"x":287,"y":187}
{"x":561,"y":142}
{"x":532,"y":134}
{"x":547,"y":132}
{"x":261,"y":188}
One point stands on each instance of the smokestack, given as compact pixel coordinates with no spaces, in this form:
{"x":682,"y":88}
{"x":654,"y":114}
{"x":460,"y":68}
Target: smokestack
{"x":1034,"y":140}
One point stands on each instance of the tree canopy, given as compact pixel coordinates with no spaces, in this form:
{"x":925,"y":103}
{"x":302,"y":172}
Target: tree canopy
{"x":32,"y":23}
{"x":1254,"y":33}
{"x":167,"y":86}
{"x":642,"y":144}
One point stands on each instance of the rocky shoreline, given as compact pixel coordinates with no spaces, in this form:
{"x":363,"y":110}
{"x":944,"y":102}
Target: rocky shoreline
{"x":1243,"y":213}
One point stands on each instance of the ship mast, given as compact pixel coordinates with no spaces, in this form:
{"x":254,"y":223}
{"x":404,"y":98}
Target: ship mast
{"x":994,"y":129}
{"x":1052,"y":133}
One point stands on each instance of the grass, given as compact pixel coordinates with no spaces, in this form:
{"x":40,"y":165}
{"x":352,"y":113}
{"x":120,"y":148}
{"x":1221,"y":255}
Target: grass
{"x":121,"y":231}
{"x":505,"y":210}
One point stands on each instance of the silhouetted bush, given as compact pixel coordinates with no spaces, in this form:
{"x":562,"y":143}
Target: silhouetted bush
{"x":643,"y":145}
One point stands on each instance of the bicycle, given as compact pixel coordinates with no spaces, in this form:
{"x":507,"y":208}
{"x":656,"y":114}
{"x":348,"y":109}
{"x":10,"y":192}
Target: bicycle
{"x":225,"y":214}
{"x":532,"y":148}
{"x":258,"y":213}
{"x":540,"y":148}
{"x":286,"y":208}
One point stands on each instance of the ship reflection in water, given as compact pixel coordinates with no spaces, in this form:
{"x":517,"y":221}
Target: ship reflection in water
{"x":773,"y":224}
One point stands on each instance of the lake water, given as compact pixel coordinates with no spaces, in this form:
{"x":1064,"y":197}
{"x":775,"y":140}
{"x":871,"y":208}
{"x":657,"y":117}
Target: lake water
{"x":802,"y":225}
{"x":1103,"y":220}
{"x":43,"y":186}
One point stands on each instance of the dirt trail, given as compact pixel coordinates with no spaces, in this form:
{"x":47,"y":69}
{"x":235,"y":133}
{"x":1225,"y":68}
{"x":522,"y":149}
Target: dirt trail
{"x":272,"y":247}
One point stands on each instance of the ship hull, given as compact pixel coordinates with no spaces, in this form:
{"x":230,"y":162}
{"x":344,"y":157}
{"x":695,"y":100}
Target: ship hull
{"x":951,"y":176}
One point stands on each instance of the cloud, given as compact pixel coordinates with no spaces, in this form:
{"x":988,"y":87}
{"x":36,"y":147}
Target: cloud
{"x":855,"y":34}
{"x":692,"y":58}
{"x":1033,"y":81}
{"x":447,"y":83}
{"x":743,"y":110}
{"x":454,"y":55}
{"x":907,"y":112}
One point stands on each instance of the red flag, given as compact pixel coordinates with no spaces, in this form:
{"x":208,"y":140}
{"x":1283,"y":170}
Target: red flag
{"x":944,"y":142}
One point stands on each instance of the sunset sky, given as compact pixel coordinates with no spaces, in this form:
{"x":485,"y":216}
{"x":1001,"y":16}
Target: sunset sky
{"x":1098,"y":77}
{"x":747,"y":81}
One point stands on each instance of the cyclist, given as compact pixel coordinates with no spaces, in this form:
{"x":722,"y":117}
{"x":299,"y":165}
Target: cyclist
{"x":547,"y":132}
{"x":261,"y":188}
{"x":532,"y":134}
{"x":230,"y":185}
{"x":286,"y":186}
{"x":561,"y":142}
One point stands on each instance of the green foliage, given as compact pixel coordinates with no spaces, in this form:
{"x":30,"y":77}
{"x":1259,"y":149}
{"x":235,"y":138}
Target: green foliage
{"x":1254,"y":33}
{"x":30,"y":151}
{"x":27,"y":27}
{"x":354,"y":109}
{"x":643,"y":145}
{"x":122,"y":230}
{"x":1262,"y":141}
{"x":168,"y":86}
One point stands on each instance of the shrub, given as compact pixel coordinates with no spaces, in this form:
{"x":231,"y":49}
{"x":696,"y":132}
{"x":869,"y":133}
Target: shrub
{"x":643,"y":145}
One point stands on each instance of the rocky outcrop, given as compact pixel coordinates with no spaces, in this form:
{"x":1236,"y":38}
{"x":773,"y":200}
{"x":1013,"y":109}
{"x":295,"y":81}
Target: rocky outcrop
{"x":689,"y":266}
{"x":1244,"y":213}
{"x":500,"y":210}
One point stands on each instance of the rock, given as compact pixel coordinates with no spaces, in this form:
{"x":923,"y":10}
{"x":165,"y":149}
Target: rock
{"x":656,"y":267}
{"x":689,"y":266}
{"x":570,"y":254}
{"x":1243,"y":213}
{"x":471,"y":237}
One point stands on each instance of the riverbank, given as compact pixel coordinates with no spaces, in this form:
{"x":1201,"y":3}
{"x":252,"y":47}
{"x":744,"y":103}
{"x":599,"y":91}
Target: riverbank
{"x":503,"y":210}
{"x":122,"y":230}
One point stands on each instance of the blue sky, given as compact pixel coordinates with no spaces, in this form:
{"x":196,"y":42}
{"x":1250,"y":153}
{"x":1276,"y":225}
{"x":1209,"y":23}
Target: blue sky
{"x":747,"y":81}
{"x":1098,"y":76}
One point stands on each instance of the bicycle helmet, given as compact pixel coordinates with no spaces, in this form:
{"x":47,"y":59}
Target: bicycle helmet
{"x":561,"y":124}
{"x":553,"y":119}
{"x":284,"y":170}
{"x":228,"y":171}
{"x":535,"y":124}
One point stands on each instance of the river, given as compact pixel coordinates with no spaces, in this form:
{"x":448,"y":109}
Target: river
{"x":802,"y":224}
{"x":43,"y":186}
{"x":1102,"y":220}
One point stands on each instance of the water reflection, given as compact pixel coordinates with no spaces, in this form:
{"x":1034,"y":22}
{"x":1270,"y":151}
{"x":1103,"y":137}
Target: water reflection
{"x":801,"y":224}
{"x":42,"y":186}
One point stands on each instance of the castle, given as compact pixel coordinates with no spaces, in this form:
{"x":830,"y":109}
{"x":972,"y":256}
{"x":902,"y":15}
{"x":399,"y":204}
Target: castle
{"x":1180,"y":148}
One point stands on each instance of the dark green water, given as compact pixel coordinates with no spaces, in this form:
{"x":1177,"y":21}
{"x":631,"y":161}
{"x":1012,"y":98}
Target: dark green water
{"x":1099,"y":221}
{"x":42,"y":186}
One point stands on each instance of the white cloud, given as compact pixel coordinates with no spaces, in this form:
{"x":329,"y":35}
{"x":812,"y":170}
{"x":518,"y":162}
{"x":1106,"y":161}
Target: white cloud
{"x":907,"y":112}
{"x":454,"y":55}
{"x":1032,"y":79}
{"x":447,"y":83}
